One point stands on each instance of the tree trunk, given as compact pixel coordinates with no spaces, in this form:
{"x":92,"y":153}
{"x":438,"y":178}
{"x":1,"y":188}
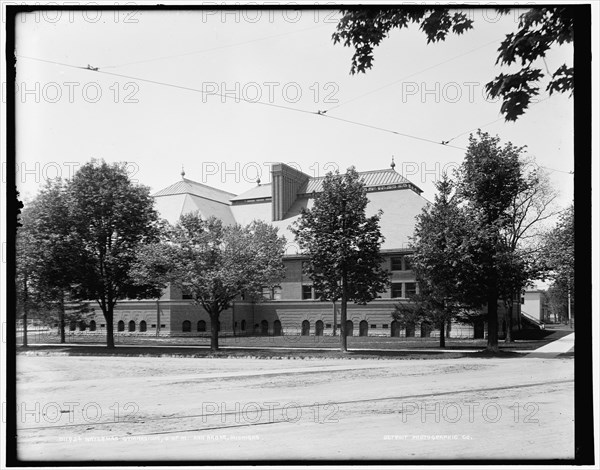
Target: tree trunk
{"x":110,"y":338}
{"x":492,"y":305}
{"x":61,"y":319}
{"x":214,"y":331}
{"x":343,"y":316}
{"x":509,"y":323}
{"x":442,"y":334}
{"x":25,"y":307}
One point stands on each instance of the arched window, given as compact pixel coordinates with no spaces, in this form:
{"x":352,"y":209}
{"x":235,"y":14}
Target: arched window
{"x":201,"y":326}
{"x":121,"y":325}
{"x":131,"y":325}
{"x":349,"y":328}
{"x":243,"y":325}
{"x":186,"y":327}
{"x":73,"y":325}
{"x":305,"y":328}
{"x":425,"y":329}
{"x":363,"y":328}
{"x":277,"y":328}
{"x":264,"y":327}
{"x":93,"y":325}
{"x":82,"y":325}
{"x":410,"y":330}
{"x":143,"y":326}
{"x":319,"y":328}
{"x":395,"y":332}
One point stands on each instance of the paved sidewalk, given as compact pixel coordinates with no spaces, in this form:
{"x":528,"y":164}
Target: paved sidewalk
{"x":555,"y":348}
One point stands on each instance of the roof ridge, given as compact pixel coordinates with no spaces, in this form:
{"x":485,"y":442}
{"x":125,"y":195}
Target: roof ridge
{"x":187,"y":180}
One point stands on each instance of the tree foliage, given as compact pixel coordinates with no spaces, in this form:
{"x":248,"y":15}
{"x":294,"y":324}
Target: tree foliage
{"x":342,"y":244}
{"x":214,"y":263}
{"x":110,"y":219}
{"x":539,"y":29}
{"x":442,"y":260}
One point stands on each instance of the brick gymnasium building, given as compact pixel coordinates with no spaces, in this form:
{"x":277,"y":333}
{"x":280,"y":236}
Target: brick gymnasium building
{"x":290,"y":308}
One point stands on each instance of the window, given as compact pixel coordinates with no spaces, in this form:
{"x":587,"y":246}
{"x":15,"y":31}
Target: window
{"x":264,"y":327}
{"x":305,"y":328}
{"x":201,"y":326}
{"x":186,"y":326}
{"x":328,"y":325}
{"x":306,"y":292}
{"x":277,"y":293}
{"x":92,"y":325}
{"x":373,"y":326}
{"x":277,"y":328}
{"x":186,"y":294}
{"x":243,"y":326}
{"x":153,"y":325}
{"x":121,"y":325}
{"x":102,"y":325}
{"x":411,"y":289}
{"x":267,"y":293}
{"x":82,"y":325}
{"x":143,"y":326}
{"x":131,"y":325}
{"x":407,"y":263}
{"x":163,"y":326}
{"x":396,"y":263}
{"x":384,"y":326}
{"x":396,"y":289}
{"x":319,"y":328}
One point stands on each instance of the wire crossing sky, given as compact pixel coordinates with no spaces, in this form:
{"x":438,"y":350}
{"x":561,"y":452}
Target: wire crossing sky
{"x":176,"y":88}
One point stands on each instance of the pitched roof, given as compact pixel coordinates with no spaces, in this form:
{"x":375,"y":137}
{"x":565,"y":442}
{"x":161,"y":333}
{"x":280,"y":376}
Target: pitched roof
{"x":373,"y":178}
{"x":186,"y":186}
{"x":257,"y":192}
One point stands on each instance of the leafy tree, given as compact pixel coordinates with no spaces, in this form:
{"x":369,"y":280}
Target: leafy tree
{"x":539,"y":30}
{"x":489,"y":179}
{"x":559,"y":254}
{"x":442,"y":261}
{"x":111,"y":218}
{"x":343,"y":244}
{"x":213,"y":262}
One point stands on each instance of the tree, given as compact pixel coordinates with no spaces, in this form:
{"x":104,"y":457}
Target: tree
{"x":342,"y":244}
{"x":539,"y":29}
{"x":532,"y":204}
{"x":489,"y":179}
{"x":214,"y":263}
{"x":111,"y":218}
{"x":559,"y":255}
{"x":442,"y":261}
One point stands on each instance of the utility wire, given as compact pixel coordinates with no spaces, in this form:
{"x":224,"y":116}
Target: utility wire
{"x":412,"y":75}
{"x":184,"y":54}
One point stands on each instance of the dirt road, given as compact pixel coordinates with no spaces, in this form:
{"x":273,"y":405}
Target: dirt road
{"x":119,"y":408}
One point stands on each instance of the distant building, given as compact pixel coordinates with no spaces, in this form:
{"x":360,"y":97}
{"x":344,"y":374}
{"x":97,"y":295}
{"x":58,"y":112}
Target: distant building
{"x":291,"y":307}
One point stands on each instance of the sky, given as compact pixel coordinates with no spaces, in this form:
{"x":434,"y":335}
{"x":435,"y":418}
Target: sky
{"x":145,"y":105}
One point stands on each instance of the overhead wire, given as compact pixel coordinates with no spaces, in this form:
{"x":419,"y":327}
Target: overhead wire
{"x":238,"y":98}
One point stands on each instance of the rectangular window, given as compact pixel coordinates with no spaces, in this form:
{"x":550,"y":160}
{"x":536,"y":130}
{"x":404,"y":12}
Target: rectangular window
{"x":186,"y":294}
{"x":102,"y":325}
{"x":306,"y":292}
{"x":411,"y":289}
{"x":396,"y":290}
{"x":267,"y":294}
{"x":373,"y":326}
{"x":153,"y":325}
{"x":396,"y":263}
{"x":163,"y":326}
{"x":407,"y":263}
{"x":339,"y":325}
{"x":328,"y":325}
{"x":384,"y":326}
{"x":277,"y":293}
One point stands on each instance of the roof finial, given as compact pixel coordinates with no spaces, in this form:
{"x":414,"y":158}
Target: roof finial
{"x":393,"y":165}
{"x":182,"y":172}
{"x":258,"y":181}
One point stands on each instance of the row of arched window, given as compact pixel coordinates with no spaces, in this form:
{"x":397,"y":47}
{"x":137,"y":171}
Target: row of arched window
{"x":131,"y":326}
{"x":363,"y":328}
{"x":82,"y":326}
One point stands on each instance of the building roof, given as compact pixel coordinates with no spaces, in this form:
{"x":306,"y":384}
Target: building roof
{"x":186,"y":186}
{"x":257,"y":192}
{"x":371,"y":179}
